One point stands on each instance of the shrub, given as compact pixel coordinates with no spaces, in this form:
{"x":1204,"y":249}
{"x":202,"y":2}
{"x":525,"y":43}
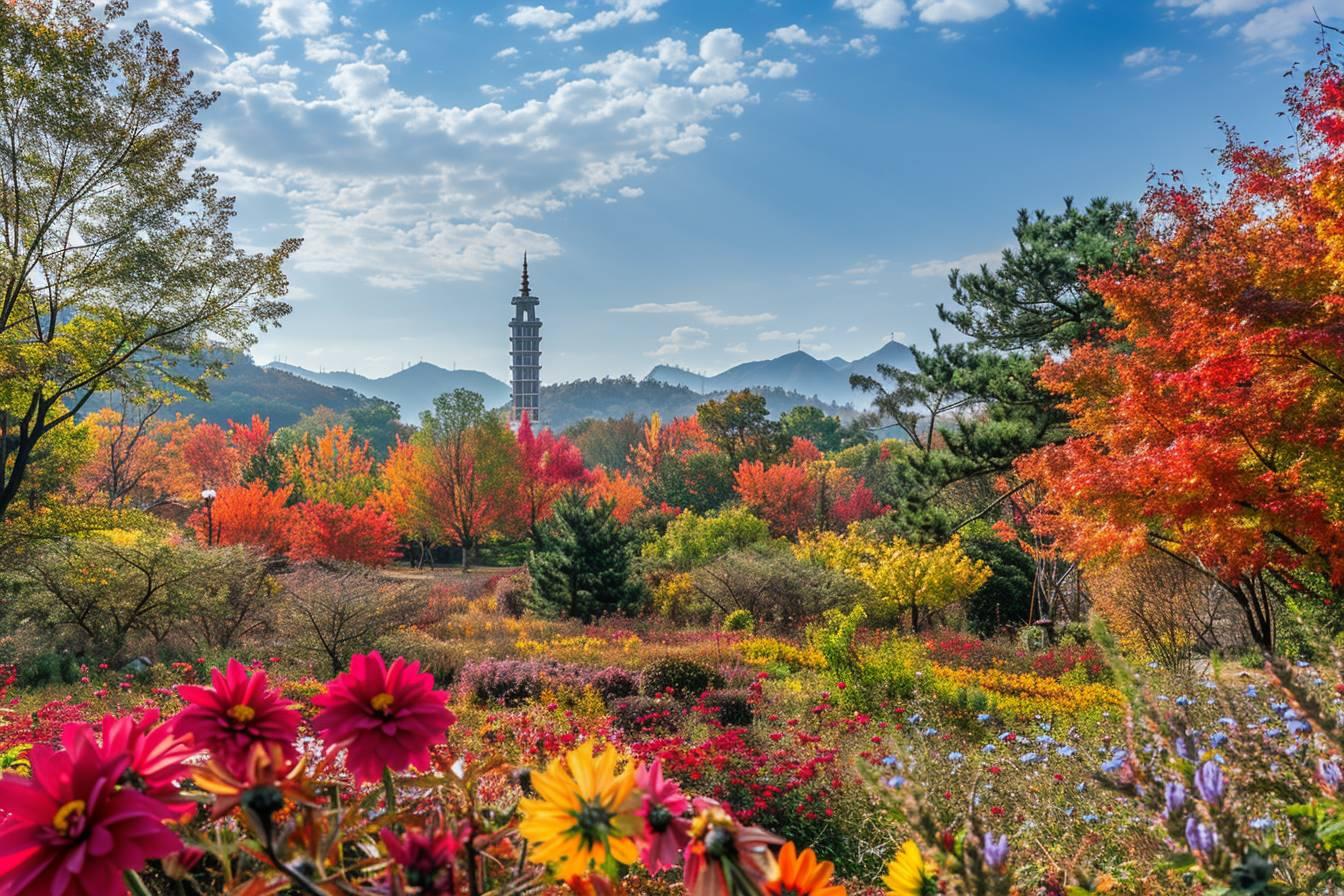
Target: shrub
{"x":683,"y":678}
{"x":583,"y":569}
{"x":443,"y":660}
{"x":739,"y":621}
{"x":335,"y":611}
{"x":48,"y":668}
{"x":729,"y":707}
{"x":515,"y":682}
{"x":692,"y":540}
{"x":770,"y":584}
{"x":511,"y":594}
{"x":645,"y":715}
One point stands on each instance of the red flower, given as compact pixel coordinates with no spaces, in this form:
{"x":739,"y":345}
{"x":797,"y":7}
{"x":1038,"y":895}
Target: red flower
{"x":383,"y":717}
{"x":427,"y":860}
{"x":69,"y":830}
{"x":157,"y":757}
{"x":235,"y":712}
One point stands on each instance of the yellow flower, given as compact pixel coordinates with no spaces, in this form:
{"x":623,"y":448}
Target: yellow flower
{"x":907,"y":875}
{"x":584,"y":812}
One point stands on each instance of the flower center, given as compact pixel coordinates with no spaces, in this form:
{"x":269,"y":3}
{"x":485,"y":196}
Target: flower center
{"x":594,"y":822}
{"x":71,"y":815}
{"x":382,"y":702}
{"x":660,"y":818}
{"x":242,"y":713}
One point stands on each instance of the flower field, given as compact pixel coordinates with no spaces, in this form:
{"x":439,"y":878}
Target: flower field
{"x":632,"y":757}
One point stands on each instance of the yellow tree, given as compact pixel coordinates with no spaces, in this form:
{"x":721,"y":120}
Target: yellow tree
{"x":898,"y":574}
{"x":333,"y":467}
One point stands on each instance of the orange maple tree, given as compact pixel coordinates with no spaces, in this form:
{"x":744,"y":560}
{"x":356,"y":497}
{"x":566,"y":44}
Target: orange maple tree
{"x":326,"y":530}
{"x":246,"y":514}
{"x":618,"y":487}
{"x":336,"y":466}
{"x":1210,"y":420}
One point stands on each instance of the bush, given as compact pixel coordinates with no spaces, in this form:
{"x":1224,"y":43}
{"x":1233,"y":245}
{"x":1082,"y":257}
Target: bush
{"x":511,"y":594}
{"x":771,"y":584}
{"x":515,"y":682}
{"x":441,"y":659}
{"x":729,"y":707}
{"x":739,"y":621}
{"x":48,"y":668}
{"x":686,"y":679}
{"x":336,"y":611}
{"x":645,"y":715}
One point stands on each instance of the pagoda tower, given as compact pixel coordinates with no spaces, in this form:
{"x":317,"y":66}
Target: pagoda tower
{"x":525,"y":354}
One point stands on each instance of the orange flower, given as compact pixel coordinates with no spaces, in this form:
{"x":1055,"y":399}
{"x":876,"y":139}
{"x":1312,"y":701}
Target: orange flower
{"x":800,"y":874}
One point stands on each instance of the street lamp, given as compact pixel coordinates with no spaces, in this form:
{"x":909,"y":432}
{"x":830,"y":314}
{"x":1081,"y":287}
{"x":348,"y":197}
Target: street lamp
{"x":208,"y":496}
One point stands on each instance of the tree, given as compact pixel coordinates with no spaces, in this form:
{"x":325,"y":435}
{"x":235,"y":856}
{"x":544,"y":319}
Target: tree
{"x":606,"y":443}
{"x":898,"y":574}
{"x":335,"y":611}
{"x":584,"y":568}
{"x":1005,"y":600}
{"x":1207,"y":421}
{"x":784,"y":495}
{"x":1034,"y":299}
{"x":739,"y":425}
{"x":618,"y":488}
{"x":326,"y":530}
{"x":206,"y":456}
{"x":401,"y":495}
{"x":334,"y":467}
{"x":248,"y":515}
{"x":124,"y":452}
{"x":470,"y":470}
{"x":813,"y":424}
{"x":692,"y":540}
{"x":119,"y":264}
{"x":549,"y":465}
{"x":378,"y":422}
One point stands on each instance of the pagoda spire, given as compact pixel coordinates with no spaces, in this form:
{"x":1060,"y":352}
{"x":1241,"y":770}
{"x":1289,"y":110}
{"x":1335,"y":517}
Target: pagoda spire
{"x":526,"y":290}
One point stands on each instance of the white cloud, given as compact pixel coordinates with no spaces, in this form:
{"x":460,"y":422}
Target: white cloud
{"x":691,"y":140}
{"x":631,"y":192}
{"x":1155,"y":63}
{"x":939,"y":268}
{"x":626,"y":70}
{"x":876,"y":13}
{"x":507,"y":53}
{"x":801,"y":95}
{"x":483,"y":19}
{"x":863,"y":273}
{"x":538,"y":17}
{"x":681,"y":339}
{"x":940,"y":12}
{"x":1279,"y":24}
{"x":624,"y":11}
{"x":188,"y":13}
{"x":774,"y":70}
{"x":331,"y":48}
{"x":794,"y":35}
{"x":532,"y":79}
{"x":292,"y":18}
{"x":864,"y":45}
{"x":735,"y":136}
{"x":739,"y":348}
{"x":1215,"y":7}
{"x":706,"y":313}
{"x":671,"y":53}
{"x":790,"y":335}
{"x":721,"y":45}
{"x":432,"y":16}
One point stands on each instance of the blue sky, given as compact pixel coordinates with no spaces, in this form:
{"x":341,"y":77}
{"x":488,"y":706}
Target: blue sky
{"x":696,"y":182}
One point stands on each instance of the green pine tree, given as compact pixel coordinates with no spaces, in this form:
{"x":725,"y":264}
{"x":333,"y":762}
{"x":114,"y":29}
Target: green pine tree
{"x":584,"y":567}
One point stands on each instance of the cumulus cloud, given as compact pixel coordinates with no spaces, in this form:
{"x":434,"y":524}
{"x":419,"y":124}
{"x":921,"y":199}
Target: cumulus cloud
{"x":1277,"y":24}
{"x":538,"y":17}
{"x":794,"y":35}
{"x":632,"y":12}
{"x":680,"y":340}
{"x":631,"y":192}
{"x":1153,"y":63}
{"x":876,"y":13}
{"x":292,"y":18}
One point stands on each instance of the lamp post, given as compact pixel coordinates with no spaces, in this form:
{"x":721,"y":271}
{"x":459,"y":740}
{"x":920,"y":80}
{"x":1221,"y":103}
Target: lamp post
{"x":208,"y":496}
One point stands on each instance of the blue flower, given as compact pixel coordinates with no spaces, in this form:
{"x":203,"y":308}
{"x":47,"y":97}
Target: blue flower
{"x":930,"y":732}
{"x":1030,"y":757}
{"x":895,"y":782}
{"x":983,"y":717}
{"x":1218,"y":738}
{"x":1091,"y":819}
{"x":1066,"y":751}
{"x":988,"y":748}
{"x":954,"y":756}
{"x":1182,"y":700}
{"x":995,"y":851}
{"x":1263,"y":824}
{"x":1209,"y":783}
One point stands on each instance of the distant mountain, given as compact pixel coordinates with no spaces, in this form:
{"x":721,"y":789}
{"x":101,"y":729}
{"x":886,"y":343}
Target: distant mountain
{"x":247,"y":389}
{"x":796,"y":372}
{"x":413,"y":389}
{"x":565,"y":404}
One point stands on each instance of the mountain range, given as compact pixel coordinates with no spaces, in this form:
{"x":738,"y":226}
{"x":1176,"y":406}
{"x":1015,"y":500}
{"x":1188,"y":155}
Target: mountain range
{"x":794,"y":372}
{"x":413,"y":389}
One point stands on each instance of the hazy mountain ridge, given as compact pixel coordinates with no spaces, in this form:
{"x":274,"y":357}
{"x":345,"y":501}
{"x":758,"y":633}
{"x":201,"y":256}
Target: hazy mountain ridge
{"x":412,"y":389}
{"x":796,"y":372}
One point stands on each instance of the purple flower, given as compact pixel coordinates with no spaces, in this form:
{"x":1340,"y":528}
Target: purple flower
{"x":1329,"y":774}
{"x":996,"y":851}
{"x":1175,"y":792}
{"x":1209,"y":783}
{"x":1203,"y":840}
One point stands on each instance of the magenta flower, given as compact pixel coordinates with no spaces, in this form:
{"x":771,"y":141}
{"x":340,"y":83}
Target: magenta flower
{"x":666,"y":830}
{"x":157,"y":757}
{"x":69,"y":830}
{"x":235,"y":712}
{"x":427,"y":860}
{"x":383,"y":717}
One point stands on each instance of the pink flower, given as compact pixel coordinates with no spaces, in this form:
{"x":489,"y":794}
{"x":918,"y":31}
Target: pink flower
{"x":666,"y":831}
{"x":157,"y":757}
{"x":382,"y":716}
{"x":69,"y":830}
{"x":235,"y":712}
{"x":427,"y":860}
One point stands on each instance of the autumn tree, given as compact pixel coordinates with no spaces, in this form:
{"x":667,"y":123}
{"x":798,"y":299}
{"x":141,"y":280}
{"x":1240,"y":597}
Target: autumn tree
{"x":401,"y":494}
{"x":739,"y":425}
{"x":125,"y":452}
{"x":606,"y":443}
{"x":470,"y":470}
{"x":248,"y":515}
{"x":327,"y":530}
{"x":548,"y":466}
{"x":335,"y":466}
{"x":1208,"y":421}
{"x":618,"y":488}
{"x":899,"y":575}
{"x":784,"y":495}
{"x":120,"y":269}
